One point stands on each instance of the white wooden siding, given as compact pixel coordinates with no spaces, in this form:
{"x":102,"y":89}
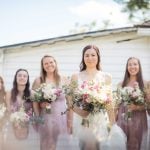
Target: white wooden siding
{"x":68,"y":55}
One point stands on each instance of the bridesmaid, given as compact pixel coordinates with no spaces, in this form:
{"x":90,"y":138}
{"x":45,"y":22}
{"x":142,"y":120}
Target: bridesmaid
{"x":55,"y":124}
{"x":136,"y":127}
{"x":20,"y":136}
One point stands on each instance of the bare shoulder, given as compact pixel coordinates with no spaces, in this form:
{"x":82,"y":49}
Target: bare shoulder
{"x":119,"y":84}
{"x":36,"y":83}
{"x":74,"y":76}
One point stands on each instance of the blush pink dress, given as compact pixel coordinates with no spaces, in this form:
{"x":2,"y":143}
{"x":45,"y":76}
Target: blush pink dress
{"x":55,"y":124}
{"x":135,"y":128}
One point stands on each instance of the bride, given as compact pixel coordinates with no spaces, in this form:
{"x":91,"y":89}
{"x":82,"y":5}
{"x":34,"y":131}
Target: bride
{"x":90,"y":126}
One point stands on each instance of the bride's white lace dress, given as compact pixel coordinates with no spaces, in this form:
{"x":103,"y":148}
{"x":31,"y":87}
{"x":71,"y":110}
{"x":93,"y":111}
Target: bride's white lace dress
{"x":98,"y":122}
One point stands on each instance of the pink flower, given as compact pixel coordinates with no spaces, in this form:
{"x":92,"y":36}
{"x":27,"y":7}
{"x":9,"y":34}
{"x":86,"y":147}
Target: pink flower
{"x":29,"y":113}
{"x":96,"y":87}
{"x":84,"y":85}
{"x":85,"y":96}
{"x":108,"y":100}
{"x":58,"y":92}
{"x":91,"y":88}
{"x":136,"y":85}
{"x":134,"y":94}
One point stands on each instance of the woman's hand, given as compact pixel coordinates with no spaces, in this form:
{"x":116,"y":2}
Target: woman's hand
{"x":80,"y":111}
{"x":44,"y":104}
{"x":133,"y":107}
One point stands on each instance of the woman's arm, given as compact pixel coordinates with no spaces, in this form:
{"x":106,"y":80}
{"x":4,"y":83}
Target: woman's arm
{"x":69,"y":114}
{"x":109,"y":107}
{"x":75,"y":108}
{"x":134,"y":107}
{"x":8,"y":101}
{"x":36,"y":107}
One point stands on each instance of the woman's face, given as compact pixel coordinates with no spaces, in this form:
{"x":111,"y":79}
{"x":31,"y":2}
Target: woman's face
{"x":133,"y":67}
{"x":90,"y":58}
{"x":49,"y":64}
{"x":22,"y":77}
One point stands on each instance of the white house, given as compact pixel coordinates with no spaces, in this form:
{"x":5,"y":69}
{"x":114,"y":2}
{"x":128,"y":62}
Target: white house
{"x":116,"y":46}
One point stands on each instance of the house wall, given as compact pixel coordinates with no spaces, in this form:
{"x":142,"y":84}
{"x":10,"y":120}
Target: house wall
{"x":114,"y":48}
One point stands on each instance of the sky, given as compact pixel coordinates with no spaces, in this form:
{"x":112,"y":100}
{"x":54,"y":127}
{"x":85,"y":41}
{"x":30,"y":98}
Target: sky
{"x":31,"y":20}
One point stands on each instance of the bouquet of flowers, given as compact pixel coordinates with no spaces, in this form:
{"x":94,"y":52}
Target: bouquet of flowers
{"x":132,"y":95}
{"x":46,"y":93}
{"x":69,"y":87}
{"x":20,"y":118}
{"x":90,"y":96}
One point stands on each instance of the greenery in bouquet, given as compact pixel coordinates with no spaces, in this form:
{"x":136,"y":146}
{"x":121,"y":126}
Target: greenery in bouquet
{"x":20,"y":118}
{"x":69,"y":87}
{"x":46,"y":93}
{"x":89,"y":96}
{"x":37,"y":120}
{"x":116,"y":98}
{"x":132,"y":95}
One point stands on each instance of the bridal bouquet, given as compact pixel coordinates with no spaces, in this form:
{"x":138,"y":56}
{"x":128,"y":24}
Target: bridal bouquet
{"x":91,"y":96}
{"x":46,"y":93}
{"x":132,"y":95}
{"x":20,"y":118}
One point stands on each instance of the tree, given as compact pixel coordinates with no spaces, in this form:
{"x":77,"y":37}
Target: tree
{"x":79,"y":28}
{"x":83,"y":28}
{"x":137,"y":9}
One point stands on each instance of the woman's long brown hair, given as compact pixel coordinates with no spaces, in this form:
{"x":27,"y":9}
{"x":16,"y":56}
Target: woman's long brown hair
{"x":139,"y":75}
{"x":82,"y":64}
{"x":14,"y":90}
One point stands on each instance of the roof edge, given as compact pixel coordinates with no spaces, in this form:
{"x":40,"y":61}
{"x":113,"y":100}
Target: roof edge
{"x":73,"y":36}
